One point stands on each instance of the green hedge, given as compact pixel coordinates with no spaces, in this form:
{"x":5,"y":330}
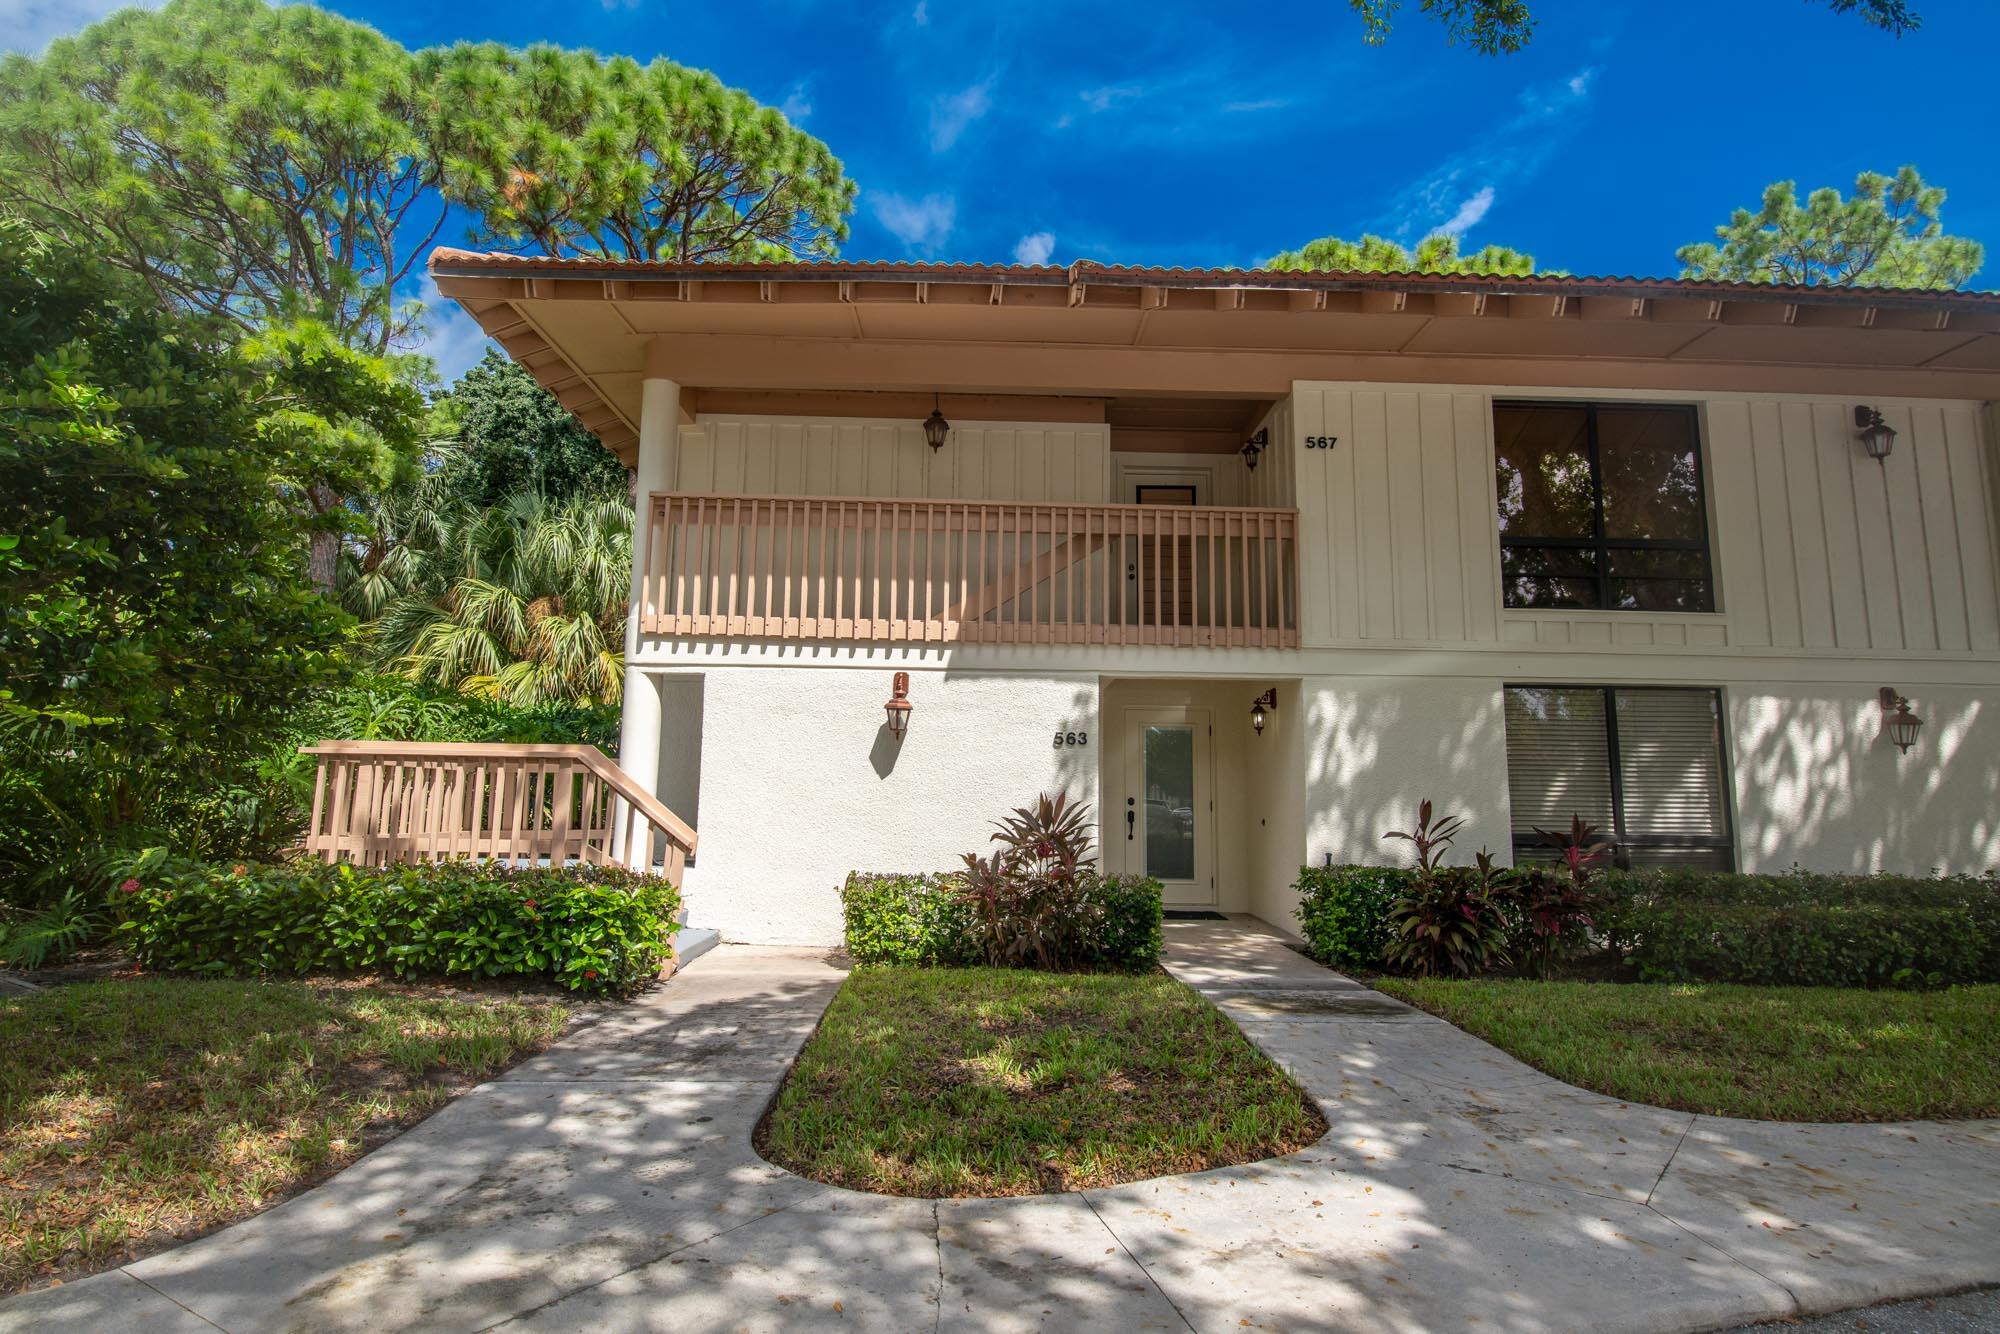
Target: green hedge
{"x":1681,"y":925}
{"x":1344,"y":911}
{"x":912,"y":919}
{"x":591,"y":929}
{"x":922,"y":919}
{"x":1806,"y":929}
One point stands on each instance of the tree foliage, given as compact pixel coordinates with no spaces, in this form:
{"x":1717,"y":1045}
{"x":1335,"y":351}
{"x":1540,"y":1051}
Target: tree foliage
{"x":1437,"y":253}
{"x":523,"y":602}
{"x":513,"y":435}
{"x":155,"y":619}
{"x":1501,"y":27}
{"x":1887,"y":234}
{"x":253,"y":162}
{"x":578,"y":155}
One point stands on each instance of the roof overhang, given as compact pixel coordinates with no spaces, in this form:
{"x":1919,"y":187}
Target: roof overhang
{"x":592,"y":330}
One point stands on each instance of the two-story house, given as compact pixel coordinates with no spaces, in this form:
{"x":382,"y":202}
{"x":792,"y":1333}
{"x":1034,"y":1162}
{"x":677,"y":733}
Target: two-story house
{"x":1254,"y":562}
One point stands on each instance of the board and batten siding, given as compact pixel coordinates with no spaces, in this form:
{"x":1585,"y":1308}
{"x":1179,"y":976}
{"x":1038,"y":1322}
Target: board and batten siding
{"x":838,"y":456}
{"x":1819,"y":547}
{"x":1814,"y":545}
{"x":1397,"y":536}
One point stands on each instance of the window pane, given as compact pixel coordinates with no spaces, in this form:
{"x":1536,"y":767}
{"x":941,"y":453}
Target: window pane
{"x":1670,"y":763}
{"x":1543,"y":459}
{"x":1713,"y":858}
{"x":1558,"y":759}
{"x":1549,"y":576}
{"x":1170,"y":803}
{"x":1647,"y":464}
{"x":1660,"y":580}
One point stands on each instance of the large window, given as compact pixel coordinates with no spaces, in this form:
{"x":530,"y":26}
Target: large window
{"x":1643,"y":764}
{"x":1601,"y":506}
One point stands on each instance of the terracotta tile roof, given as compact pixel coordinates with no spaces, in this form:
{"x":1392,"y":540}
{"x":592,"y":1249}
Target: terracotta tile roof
{"x":448,"y":260}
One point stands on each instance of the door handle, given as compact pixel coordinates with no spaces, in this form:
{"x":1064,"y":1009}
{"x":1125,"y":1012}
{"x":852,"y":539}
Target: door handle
{"x":1131,"y":818}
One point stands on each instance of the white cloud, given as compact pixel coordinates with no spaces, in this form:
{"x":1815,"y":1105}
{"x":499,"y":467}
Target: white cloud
{"x":798,"y":103}
{"x":1508,"y":154}
{"x":1262,"y":104}
{"x":30,"y":25}
{"x":921,"y":15}
{"x":1035,"y":248}
{"x":951,"y":113}
{"x":920,"y":224}
{"x":1103,"y":99}
{"x":451,"y":338}
{"x":1469,"y":213}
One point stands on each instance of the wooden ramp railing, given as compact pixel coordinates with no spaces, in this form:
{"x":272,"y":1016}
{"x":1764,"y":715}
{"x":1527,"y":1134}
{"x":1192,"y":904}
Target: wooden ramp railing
{"x":806,"y":567}
{"x":380,"y":802}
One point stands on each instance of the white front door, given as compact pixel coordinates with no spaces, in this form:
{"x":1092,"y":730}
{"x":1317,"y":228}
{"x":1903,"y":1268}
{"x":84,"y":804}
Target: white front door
{"x":1168,"y":811}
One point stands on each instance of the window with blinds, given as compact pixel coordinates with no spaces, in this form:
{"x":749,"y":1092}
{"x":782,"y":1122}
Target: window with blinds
{"x":1645,"y":765}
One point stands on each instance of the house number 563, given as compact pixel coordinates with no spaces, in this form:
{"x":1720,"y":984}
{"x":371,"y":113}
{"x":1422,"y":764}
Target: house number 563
{"x":1322,"y":441}
{"x":1072,"y":739}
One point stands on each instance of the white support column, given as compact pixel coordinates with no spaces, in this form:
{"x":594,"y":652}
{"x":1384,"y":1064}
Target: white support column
{"x":659,"y":458}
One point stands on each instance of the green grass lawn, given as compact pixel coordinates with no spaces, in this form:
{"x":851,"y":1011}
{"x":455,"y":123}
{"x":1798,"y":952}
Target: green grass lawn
{"x":136,"y":1112}
{"x":1773,"y":1053}
{"x":989,"y":1081}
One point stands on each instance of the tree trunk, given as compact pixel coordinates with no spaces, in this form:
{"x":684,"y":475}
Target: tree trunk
{"x":324,"y":563}
{"x":325,"y":560}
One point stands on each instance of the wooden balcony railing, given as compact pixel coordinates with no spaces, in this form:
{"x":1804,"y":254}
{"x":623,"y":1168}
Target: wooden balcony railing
{"x":380,"y":802}
{"x":810,"y":567}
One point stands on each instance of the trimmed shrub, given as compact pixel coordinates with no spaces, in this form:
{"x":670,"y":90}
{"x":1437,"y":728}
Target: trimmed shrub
{"x":1806,"y":929}
{"x":590,"y":928}
{"x":1686,"y":925}
{"x":1114,"y":921}
{"x":913,"y":919}
{"x":1123,"y":931}
{"x":1344,"y":911}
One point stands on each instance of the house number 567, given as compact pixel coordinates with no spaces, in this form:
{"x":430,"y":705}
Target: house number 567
{"x":1322,"y":441}
{"x":1072,"y":739}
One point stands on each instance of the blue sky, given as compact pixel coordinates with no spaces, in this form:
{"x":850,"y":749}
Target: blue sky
{"x":1206,"y":134}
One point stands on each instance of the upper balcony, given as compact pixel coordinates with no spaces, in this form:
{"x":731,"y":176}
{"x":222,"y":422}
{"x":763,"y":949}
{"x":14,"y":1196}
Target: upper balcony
{"x":955,"y":571}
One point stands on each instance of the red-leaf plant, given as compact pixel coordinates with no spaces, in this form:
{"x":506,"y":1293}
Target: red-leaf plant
{"x":1025,"y":894}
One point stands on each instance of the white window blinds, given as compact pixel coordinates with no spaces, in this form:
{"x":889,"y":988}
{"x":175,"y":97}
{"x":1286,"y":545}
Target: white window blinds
{"x":1669,"y":803}
{"x":1557,"y":761}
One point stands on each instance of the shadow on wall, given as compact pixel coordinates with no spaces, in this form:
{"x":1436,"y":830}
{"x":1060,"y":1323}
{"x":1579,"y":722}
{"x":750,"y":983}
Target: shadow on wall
{"x":1818,"y":783}
{"x":882,"y":755}
{"x":1374,"y":749}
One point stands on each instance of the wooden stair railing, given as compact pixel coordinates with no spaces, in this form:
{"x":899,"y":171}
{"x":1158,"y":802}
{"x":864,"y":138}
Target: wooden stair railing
{"x":383,"y":802}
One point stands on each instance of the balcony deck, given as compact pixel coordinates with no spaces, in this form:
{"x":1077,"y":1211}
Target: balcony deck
{"x":955,"y":571}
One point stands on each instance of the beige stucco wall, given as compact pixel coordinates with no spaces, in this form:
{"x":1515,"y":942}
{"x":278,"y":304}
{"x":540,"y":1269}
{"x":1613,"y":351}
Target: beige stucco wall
{"x":800,"y":783}
{"x":1819,"y":785}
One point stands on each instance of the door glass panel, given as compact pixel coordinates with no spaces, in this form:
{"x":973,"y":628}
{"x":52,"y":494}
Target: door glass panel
{"x":1170,"y":803}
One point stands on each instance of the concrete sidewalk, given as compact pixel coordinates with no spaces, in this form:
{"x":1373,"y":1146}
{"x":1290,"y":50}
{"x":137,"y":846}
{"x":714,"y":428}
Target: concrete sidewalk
{"x":610,"y":1183}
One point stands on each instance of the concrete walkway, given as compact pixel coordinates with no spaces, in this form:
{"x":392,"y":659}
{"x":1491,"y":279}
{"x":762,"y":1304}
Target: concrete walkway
{"x":610,"y":1184}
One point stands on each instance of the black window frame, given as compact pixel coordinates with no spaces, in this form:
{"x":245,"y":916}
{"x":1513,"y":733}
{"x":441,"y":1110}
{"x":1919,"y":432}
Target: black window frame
{"x":1599,"y":544}
{"x":1530,"y":847}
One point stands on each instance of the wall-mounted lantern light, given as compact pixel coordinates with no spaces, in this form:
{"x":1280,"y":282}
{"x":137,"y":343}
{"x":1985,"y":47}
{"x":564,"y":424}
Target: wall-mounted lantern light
{"x":936,"y":429}
{"x":1260,"y":711}
{"x":1877,"y":436}
{"x":899,"y":705}
{"x":1255,"y":446}
{"x":1901,"y":725}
